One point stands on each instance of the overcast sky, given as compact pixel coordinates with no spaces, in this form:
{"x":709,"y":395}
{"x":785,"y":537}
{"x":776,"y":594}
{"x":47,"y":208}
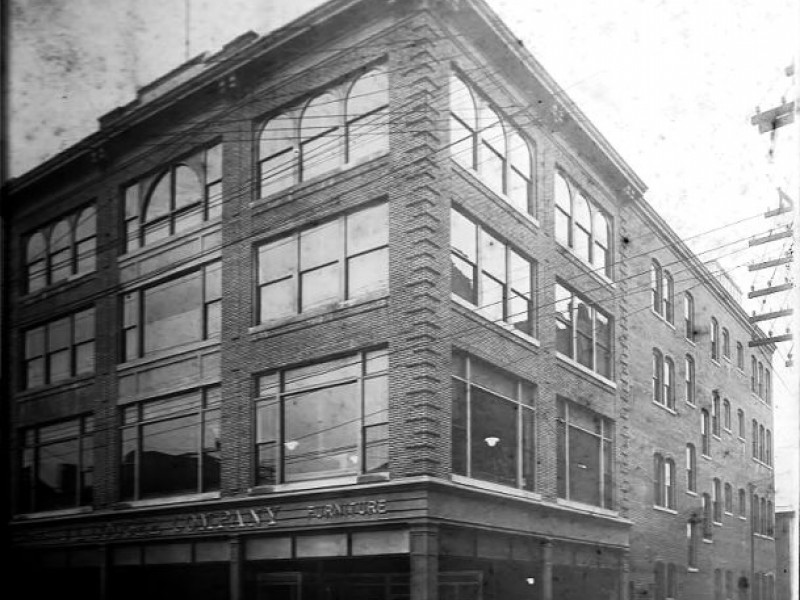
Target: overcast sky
{"x":671,"y":84}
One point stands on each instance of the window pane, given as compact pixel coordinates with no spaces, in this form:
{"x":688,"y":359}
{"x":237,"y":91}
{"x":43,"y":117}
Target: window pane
{"x":187,"y":187}
{"x":211,"y":450}
{"x":376,"y":400}
{"x":494,"y":379}
{"x":213,"y":319}
{"x":376,"y":441}
{"x":519,"y":274}
{"x":34,"y":372}
{"x":528,"y":450}
{"x":319,"y":287}
{"x":213,"y":281}
{"x":57,"y":472}
{"x":494,"y":438}
{"x":173,"y":313}
{"x":584,"y":350}
{"x":368,"y":136}
{"x":368,"y":273}
{"x":520,"y":313}
{"x":564,"y":338}
{"x":492,"y":166}
{"x":169,"y":456}
{"x":493,"y":256}
{"x":60,"y":265}
{"x":463,"y":236}
{"x":156,"y":231}
{"x":584,"y":467}
{"x":267,"y":439}
{"x":322,"y":154}
{"x":462,"y":143}
{"x":278,"y":300}
{"x":158,"y":204}
{"x":348,"y":367}
{"x":277,"y":259}
{"x":492,"y":299}
{"x":459,"y":427}
{"x":367,"y":229}
{"x":84,"y":358}
{"x":84,"y":325}
{"x":462,"y":103}
{"x":59,"y":365}
{"x":322,"y":432}
{"x":320,"y":245}
{"x":277,"y":172}
{"x":87,"y":259}
{"x":191,"y":217}
{"x":518,"y":191}
{"x":464,"y":279}
{"x":34,"y":342}
{"x":214,"y":163}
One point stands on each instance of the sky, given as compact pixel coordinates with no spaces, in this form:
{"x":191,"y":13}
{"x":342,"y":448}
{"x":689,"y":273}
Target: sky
{"x":672,"y":86}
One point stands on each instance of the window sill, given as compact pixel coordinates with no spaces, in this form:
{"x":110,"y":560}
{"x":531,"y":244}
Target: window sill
{"x":691,"y":404}
{"x":664,"y":509}
{"x":671,"y":411}
{"x":54,"y":288}
{"x":494,"y":487}
{"x":167,"y":500}
{"x":587,"y":508}
{"x":54,"y":388}
{"x":716,"y":523}
{"x":587,"y":371}
{"x":168,"y":353}
{"x":505,"y":200}
{"x":311,"y":484}
{"x":707,"y":541}
{"x":601,"y":277}
{"x":715,"y":361}
{"x":762,"y":463}
{"x":691,"y":493}
{"x":501,"y":324}
{"x":330,"y":311}
{"x":692,"y":570}
{"x":741,"y":518}
{"x":706,"y":456}
{"x":730,"y":514}
{"x":692,"y":342}
{"x":52,"y":514}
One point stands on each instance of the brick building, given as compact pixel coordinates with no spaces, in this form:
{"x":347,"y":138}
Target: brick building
{"x":367,"y":308}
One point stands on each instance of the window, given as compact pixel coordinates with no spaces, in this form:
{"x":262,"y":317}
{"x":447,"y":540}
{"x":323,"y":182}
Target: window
{"x":761,"y":442}
{"x":688,"y":316}
{"x":656,"y":286}
{"x":753,"y":373}
{"x":585,"y":458}
{"x":764,"y":517}
{"x":755,"y":513}
{"x":739,"y":356}
{"x":768,"y":448}
{"x":726,"y":414}
{"x":770,"y":519}
{"x":726,"y":343}
{"x":663,"y":380}
{"x":667,"y":297}
{"x":767,"y":386}
{"x":717,"y":500}
{"x":178,"y":311}
{"x":582,"y":225}
{"x":742,"y":503}
{"x":171,"y":201}
{"x":660,"y":580}
{"x":691,"y":542}
{"x":658,"y":376}
{"x":715,"y":417}
{"x":755,"y":438}
{"x":338,"y":260}
{"x":691,"y":468}
{"x":718,"y":584}
{"x":729,"y":585}
{"x":668,"y":396}
{"x":583,"y":332}
{"x":707,"y":529}
{"x":740,"y":417}
{"x":664,"y":492}
{"x":171,"y":445}
{"x":61,"y":250}
{"x":492,"y":276}
{"x":705,"y":432}
{"x":690,"y":380}
{"x":493,"y":424}
{"x":714,"y":339}
{"x":57,"y":465}
{"x":483,"y":141}
{"x":344,"y":125}
{"x":760,"y":380}
{"x":60,"y":349}
{"x":672,"y":581}
{"x":323,"y":420}
{"x":728,"y":498}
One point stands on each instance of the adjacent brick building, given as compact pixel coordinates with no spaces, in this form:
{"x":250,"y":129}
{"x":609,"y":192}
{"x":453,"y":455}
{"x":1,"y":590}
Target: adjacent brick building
{"x":367,"y":308}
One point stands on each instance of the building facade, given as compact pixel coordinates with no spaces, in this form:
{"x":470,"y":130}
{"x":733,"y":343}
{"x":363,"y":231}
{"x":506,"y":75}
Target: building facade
{"x":367,"y":308}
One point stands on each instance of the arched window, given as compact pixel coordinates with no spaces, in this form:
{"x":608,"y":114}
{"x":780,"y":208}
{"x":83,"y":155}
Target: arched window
{"x":763,"y":528}
{"x":656,"y":283}
{"x":321,"y":148}
{"x":175,"y":203}
{"x":761,"y":442}
{"x":667,"y":300}
{"x":36,"y":262}
{"x":86,"y":240}
{"x":753,"y":373}
{"x":463,"y":124}
{"x":669,"y":483}
{"x":717,"y":500}
{"x":755,"y":513}
{"x":658,"y":375}
{"x":768,"y":448}
{"x":760,"y":379}
{"x":715,"y":414}
{"x":726,"y":343}
{"x":726,"y":414}
{"x":563,"y":210}
{"x":728,"y":498}
{"x":714,"y":339}
{"x":600,"y":254}
{"x":767,"y":386}
{"x":770,"y":519}
{"x":755,"y":438}
{"x":705,"y":433}
{"x":740,"y":355}
{"x":366,"y":109}
{"x":742,"y":503}
{"x":60,"y":251}
{"x":583,"y":226}
{"x":277,"y":155}
{"x":691,"y":468}
{"x":669,"y":383}
{"x":740,"y":417}
{"x":707,"y":529}
{"x":689,"y":367}
{"x":520,"y":174}
{"x":664,"y":480}
{"x":688,"y":316}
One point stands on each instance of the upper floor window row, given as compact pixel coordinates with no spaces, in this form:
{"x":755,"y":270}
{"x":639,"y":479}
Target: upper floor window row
{"x":490,"y":275}
{"x":60,"y":349}
{"x":760,"y":380}
{"x":582,"y":225}
{"x":344,"y":125}
{"x":584,"y":333}
{"x":341,"y":259}
{"x":483,"y":141}
{"x":662,"y":289}
{"x":175,"y":199}
{"x":761,"y":443}
{"x":61,"y":250}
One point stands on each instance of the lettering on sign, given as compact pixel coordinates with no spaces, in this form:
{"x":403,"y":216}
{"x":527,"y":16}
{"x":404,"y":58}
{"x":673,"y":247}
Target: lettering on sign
{"x":225,"y":519}
{"x":359,"y":508}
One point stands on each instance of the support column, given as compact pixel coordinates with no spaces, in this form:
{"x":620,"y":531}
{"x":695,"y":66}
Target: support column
{"x":547,"y":569}
{"x":236,"y":569}
{"x":624,"y":575}
{"x":424,"y":547}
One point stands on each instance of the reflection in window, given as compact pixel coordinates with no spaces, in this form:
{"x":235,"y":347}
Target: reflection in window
{"x":337,"y":260}
{"x":583,"y":332}
{"x":57,"y":466}
{"x":584,"y":455}
{"x":171,"y":446}
{"x":493,"y":424}
{"x":60,"y":349}
{"x":61,"y":250}
{"x":491,"y":275}
{"x":323,"y":420}
{"x":178,"y":311}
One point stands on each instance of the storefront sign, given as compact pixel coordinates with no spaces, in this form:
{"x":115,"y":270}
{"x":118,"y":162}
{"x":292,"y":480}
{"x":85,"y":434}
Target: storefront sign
{"x":226,"y":520}
{"x":359,"y":508}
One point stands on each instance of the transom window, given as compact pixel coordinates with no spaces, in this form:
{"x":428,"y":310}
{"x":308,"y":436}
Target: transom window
{"x":180,"y":310}
{"x":60,"y":349}
{"x":326,"y":419}
{"x":582,"y":225}
{"x":491,"y":275}
{"x":341,"y":259}
{"x":171,"y":201}
{"x":583,"y":332}
{"x":61,"y":250}
{"x":171,"y":445}
{"x":343,"y":125}
{"x":57,"y":466}
{"x":584,"y":455}
{"x":493,"y":424}
{"x":483,"y":141}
